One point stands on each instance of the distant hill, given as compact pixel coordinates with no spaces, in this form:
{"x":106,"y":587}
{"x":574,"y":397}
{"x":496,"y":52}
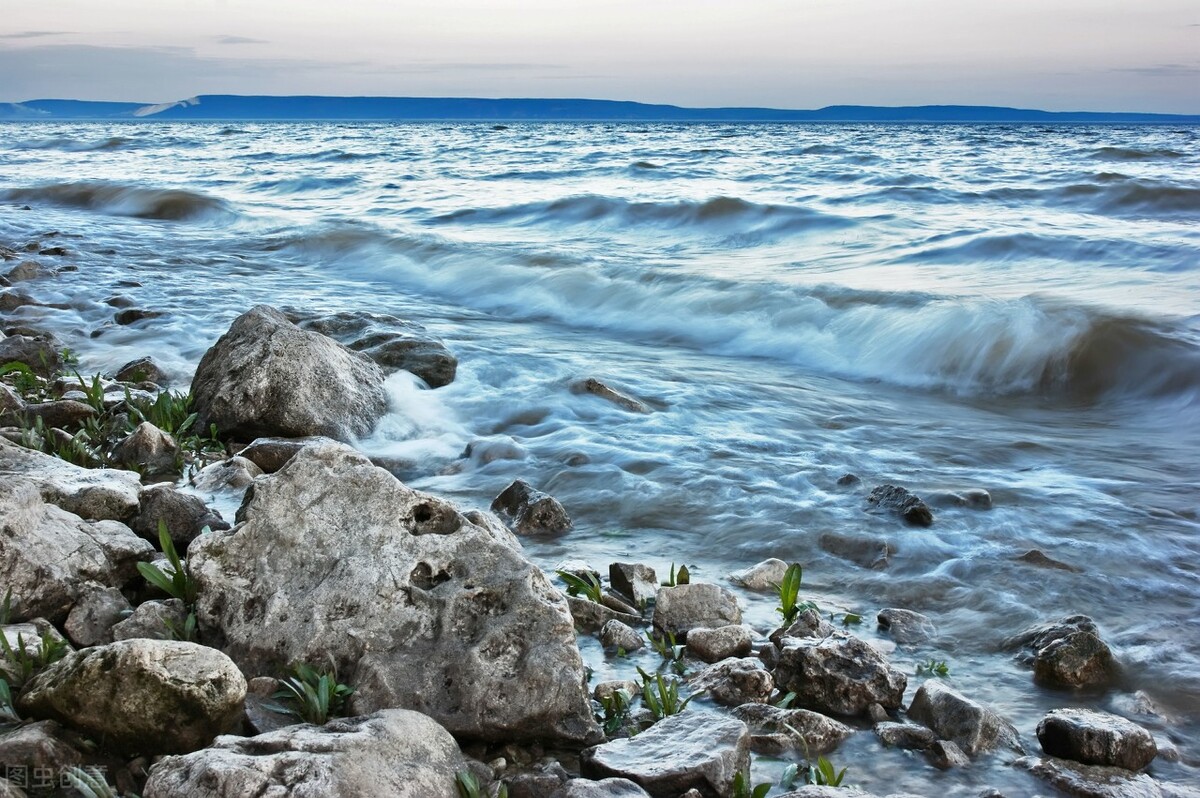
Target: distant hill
{"x":218,"y":107}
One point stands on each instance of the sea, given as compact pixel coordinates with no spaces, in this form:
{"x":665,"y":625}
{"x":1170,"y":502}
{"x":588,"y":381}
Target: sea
{"x":950,"y":308}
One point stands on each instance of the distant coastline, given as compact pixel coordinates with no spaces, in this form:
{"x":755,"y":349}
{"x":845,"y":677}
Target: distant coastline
{"x":316,"y":108}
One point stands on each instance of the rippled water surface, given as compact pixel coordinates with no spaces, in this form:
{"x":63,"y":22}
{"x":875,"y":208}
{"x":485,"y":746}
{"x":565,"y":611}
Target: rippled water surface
{"x":1015,"y":309}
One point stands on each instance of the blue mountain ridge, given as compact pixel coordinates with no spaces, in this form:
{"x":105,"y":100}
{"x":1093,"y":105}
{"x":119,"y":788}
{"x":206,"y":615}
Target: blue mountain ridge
{"x":218,"y":107}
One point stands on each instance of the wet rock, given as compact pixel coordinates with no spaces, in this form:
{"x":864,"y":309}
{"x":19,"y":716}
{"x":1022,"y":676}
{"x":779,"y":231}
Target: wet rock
{"x":906,"y":626}
{"x":624,"y":401}
{"x":682,"y":608}
{"x":1036,"y":557}
{"x":134,"y":315}
{"x":971,"y":725}
{"x":1067,"y":653}
{"x":840,"y":674}
{"x":877,"y":714}
{"x":417,"y":605}
{"x":141,"y":696}
{"x":945,"y":754}
{"x":908,"y":736}
{"x":680,"y":752}
{"x":899,"y":500}
{"x":54,"y":252}
{"x":1096,"y":738}
{"x":807,"y":624}
{"x":185,"y":515}
{"x":591,"y":617}
{"x":635,"y":581}
{"x":863,"y":550}
{"x":13,"y":299}
{"x":734,"y":682}
{"x":765,"y":575}
{"x":91,"y":620}
{"x":615,"y":635}
{"x":391,"y":342}
{"x":272,"y":454}
{"x":782,"y":732}
{"x":48,"y":555}
{"x":144,"y":369}
{"x":394,"y":752}
{"x":605,"y":689}
{"x":972,"y":498}
{"x":714,"y":645}
{"x":149,"y":450}
{"x":63,"y":413}
{"x":531,"y":512}
{"x":91,"y":493}
{"x":233,"y":474}
{"x":267,"y":377}
{"x":605,"y":788}
{"x":848,"y":480}
{"x":1090,"y":781}
{"x":28,"y":270}
{"x":152,"y":620}
{"x":41,"y":354}
{"x":814,"y":791}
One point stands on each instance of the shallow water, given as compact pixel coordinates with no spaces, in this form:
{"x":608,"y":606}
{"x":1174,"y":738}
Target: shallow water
{"x":955,"y":307}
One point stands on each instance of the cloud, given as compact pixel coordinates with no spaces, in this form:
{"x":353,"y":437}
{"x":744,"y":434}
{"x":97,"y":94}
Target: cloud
{"x":238,"y":40}
{"x":34,"y":34}
{"x":1164,"y":70}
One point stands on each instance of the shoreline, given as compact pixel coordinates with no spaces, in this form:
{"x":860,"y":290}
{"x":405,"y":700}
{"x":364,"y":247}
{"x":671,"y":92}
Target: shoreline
{"x":758,"y":676}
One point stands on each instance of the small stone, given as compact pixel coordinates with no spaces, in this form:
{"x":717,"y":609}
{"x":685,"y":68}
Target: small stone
{"x":714,"y":645}
{"x":134,"y":315}
{"x":1036,"y":557}
{"x":1067,"y":653}
{"x":530,"y":511}
{"x":779,"y":732}
{"x":682,"y":608}
{"x":91,"y":620}
{"x":1096,"y":738}
{"x":848,"y":480}
{"x":765,"y":575}
{"x":877,"y":714}
{"x":605,"y":788}
{"x":605,"y":689}
{"x":272,"y":454}
{"x":615,"y":635}
{"x":636,"y":581}
{"x":734,"y":682}
{"x":149,"y":450}
{"x":944,"y":754}
{"x":185,"y":515}
{"x":590,"y":616}
{"x":152,"y":620}
{"x":969,"y":724}
{"x":909,"y":736}
{"x":235,"y":474}
{"x":65,"y":414}
{"x":906,"y":626}
{"x":621,"y":400}
{"x":144,"y":369}
{"x":900,"y":501}
{"x":842,"y":675}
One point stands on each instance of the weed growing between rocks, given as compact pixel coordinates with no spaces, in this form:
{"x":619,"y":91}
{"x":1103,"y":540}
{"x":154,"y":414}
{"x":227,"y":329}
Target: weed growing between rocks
{"x":661,"y":695}
{"x":23,"y":665}
{"x":90,"y":784}
{"x":788,"y":588}
{"x":7,"y":712}
{"x":933,"y":667}
{"x":682,"y":577}
{"x":469,"y":786}
{"x":311,"y":695}
{"x":742,"y":789}
{"x":586,"y":585}
{"x":668,"y":649}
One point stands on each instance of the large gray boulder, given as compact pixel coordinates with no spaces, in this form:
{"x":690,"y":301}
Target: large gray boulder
{"x":394,"y":753}
{"x":266,"y":376}
{"x":971,"y":725}
{"x":682,"y":608}
{"x":1096,"y":738}
{"x":141,"y":696}
{"x":48,"y":555}
{"x":841,"y":674}
{"x":679,"y":753}
{"x":780,"y":732}
{"x":96,"y":494}
{"x":418,"y":605}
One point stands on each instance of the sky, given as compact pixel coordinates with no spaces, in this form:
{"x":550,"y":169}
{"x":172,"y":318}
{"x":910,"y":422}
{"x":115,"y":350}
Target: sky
{"x":1095,"y":55}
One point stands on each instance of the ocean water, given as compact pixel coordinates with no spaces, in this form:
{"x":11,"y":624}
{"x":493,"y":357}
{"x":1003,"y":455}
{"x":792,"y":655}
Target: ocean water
{"x":1007,"y":308}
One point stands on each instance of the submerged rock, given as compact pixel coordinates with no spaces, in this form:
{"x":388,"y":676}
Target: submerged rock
{"x":840,"y":674}
{"x":394,"y":753}
{"x":680,"y":752}
{"x":1096,"y":738}
{"x":682,"y":608}
{"x":531,"y":512}
{"x":1091,"y":781}
{"x":265,"y":376}
{"x":624,"y":401}
{"x":780,"y":732}
{"x":969,"y":724}
{"x":141,"y":696}
{"x":416,"y":604}
{"x":906,"y":626}
{"x":902,"y":502}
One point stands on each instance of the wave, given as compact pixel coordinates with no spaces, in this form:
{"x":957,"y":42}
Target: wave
{"x":73,"y":145}
{"x":118,"y":200}
{"x":1133,"y":154}
{"x":1025,"y":346}
{"x":718,"y":214}
{"x":974,"y":247}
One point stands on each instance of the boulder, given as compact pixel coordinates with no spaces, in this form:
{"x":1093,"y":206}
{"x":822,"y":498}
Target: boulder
{"x":91,"y":620}
{"x":62,"y":413}
{"x":682,"y":608}
{"x":272,"y":454}
{"x":1091,"y":781}
{"x":48,"y":555}
{"x":1067,"y":653}
{"x":764,"y":576}
{"x":734,"y":682}
{"x":417,"y":605}
{"x":40,"y":353}
{"x":679,"y":753}
{"x":266,"y":376}
{"x":391,"y":342}
{"x":635,"y":581}
{"x":841,"y":674}
{"x":906,"y":626}
{"x":615,"y":635}
{"x":867,"y":551}
{"x":233,"y":474}
{"x":900,"y":501}
{"x":971,"y":725}
{"x":141,"y":696}
{"x":1096,"y":738}
{"x":96,"y":494}
{"x":531,"y":512}
{"x":784,"y":732}
{"x":152,"y":620}
{"x":394,"y":753}
{"x":149,"y":450}
{"x":593,"y":386}
{"x":714,"y":645}
{"x":144,"y":369}
{"x":605,"y":788}
{"x":185,"y":515}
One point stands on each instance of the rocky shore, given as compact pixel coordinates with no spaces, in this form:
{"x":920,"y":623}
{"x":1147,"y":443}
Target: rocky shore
{"x":346,"y":635}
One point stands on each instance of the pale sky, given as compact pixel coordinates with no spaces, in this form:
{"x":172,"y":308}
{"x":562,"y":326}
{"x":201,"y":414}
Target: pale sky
{"x":1134,"y":55}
